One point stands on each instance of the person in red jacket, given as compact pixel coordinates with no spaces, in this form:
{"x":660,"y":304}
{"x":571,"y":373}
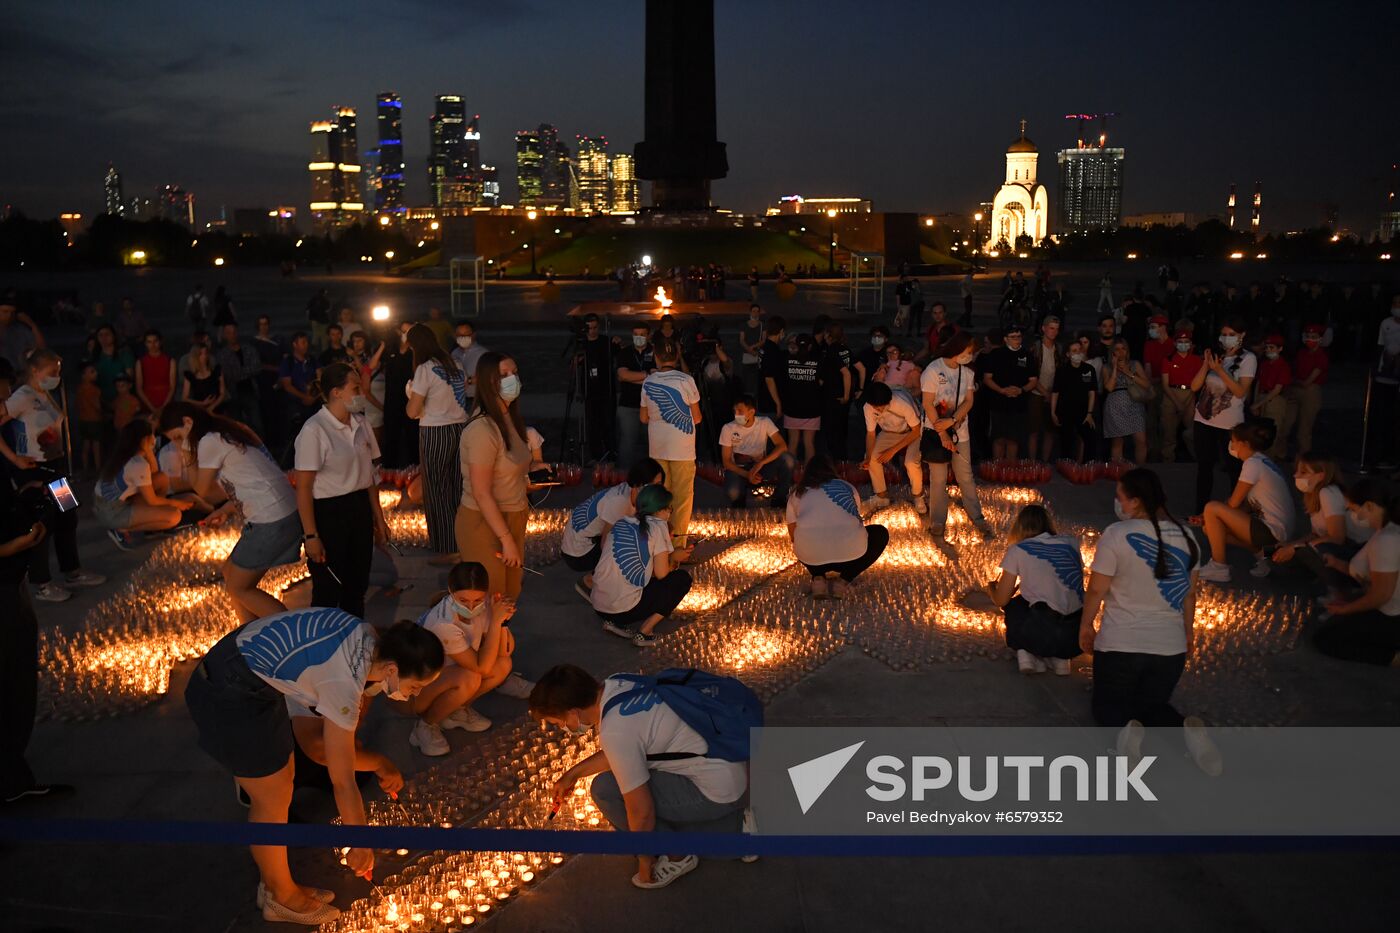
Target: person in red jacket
{"x":1310,"y":366}
{"x":1178,"y":400}
{"x":1275,"y":375}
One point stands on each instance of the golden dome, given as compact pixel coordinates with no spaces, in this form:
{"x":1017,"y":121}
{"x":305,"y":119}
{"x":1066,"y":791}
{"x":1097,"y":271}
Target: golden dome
{"x":1021,"y":145}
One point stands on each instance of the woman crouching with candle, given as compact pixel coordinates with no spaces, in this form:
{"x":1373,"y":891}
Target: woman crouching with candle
{"x":1042,"y":621}
{"x":325,"y":660}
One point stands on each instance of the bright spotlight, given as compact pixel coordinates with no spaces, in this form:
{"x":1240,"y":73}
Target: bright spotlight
{"x":380,"y":312}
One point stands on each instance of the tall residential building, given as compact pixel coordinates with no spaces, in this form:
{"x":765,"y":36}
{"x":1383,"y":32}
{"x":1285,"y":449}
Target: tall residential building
{"x":626,"y":192}
{"x":447,"y":156}
{"x":112,"y":186}
{"x":490,"y":186}
{"x":336,"y":196}
{"x":389,"y":183}
{"x":1091,"y":187}
{"x":176,"y":205}
{"x":471,"y":148}
{"x":1258,"y":205}
{"x":594,"y":190}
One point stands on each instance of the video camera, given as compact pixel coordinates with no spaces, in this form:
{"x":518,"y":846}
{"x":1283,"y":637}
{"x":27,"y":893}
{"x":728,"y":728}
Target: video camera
{"x":37,"y":500}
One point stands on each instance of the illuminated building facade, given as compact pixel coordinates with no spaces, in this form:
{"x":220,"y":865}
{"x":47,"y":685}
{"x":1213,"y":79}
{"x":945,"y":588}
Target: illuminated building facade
{"x":388,"y":175}
{"x":447,"y":156}
{"x":1091,"y":189}
{"x":175,"y":204}
{"x":626,"y":190}
{"x":529,"y":168}
{"x":336,"y":198}
{"x":1022,"y":206}
{"x":112,"y":187}
{"x":594,"y":192}
{"x":797,"y":204}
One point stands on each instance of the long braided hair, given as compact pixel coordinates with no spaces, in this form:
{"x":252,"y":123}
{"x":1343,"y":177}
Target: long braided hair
{"x":1144,"y":485}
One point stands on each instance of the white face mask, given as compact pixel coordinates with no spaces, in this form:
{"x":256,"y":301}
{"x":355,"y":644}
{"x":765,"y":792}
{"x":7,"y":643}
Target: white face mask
{"x":1229,"y":341}
{"x":391,"y":688}
{"x":579,"y":729}
{"x":49,"y":383}
{"x":877,"y":342}
{"x":510,"y":387}
{"x":355,"y":403}
{"x":639,"y":341}
{"x":1304,"y":483}
{"x":1270,"y":354}
{"x":1183,"y":346}
{"x":468,"y":612}
{"x":1119,"y":510}
{"x":464,"y":342}
{"x":1154,"y":332}
{"x":1076,"y":358}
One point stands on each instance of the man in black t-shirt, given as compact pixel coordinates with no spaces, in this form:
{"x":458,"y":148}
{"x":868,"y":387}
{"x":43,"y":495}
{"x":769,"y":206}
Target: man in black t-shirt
{"x":595,"y":356}
{"x":635,"y":361}
{"x":1072,"y":405}
{"x":335,"y":351}
{"x":1010,"y":376}
{"x":837,"y":377}
{"x":772,"y":368}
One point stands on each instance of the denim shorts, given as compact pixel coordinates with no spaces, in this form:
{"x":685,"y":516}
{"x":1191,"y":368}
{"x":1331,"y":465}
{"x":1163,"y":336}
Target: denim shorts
{"x":113,"y":515}
{"x":269,"y":544}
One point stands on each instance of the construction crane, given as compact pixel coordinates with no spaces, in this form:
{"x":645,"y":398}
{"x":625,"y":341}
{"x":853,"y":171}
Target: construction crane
{"x":1103,"y":125}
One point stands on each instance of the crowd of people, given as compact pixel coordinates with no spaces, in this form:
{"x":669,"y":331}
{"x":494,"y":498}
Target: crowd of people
{"x":294,"y":434}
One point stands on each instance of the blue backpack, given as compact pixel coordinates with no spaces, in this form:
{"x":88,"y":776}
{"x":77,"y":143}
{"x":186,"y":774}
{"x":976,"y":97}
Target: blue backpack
{"x":721,"y":709}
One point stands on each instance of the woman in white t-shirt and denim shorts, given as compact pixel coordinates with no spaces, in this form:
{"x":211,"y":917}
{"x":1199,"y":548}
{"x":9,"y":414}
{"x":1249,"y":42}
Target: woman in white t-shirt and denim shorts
{"x":229,"y":452}
{"x":1144,"y":579}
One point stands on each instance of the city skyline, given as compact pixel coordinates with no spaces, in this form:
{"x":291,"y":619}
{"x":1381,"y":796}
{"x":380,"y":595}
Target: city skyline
{"x":210,"y":102}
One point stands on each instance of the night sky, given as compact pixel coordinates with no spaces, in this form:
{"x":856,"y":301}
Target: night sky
{"x":909,"y":104}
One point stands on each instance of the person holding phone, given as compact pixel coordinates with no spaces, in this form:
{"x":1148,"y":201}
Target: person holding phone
{"x":1221,"y":385}
{"x":473,"y":626}
{"x":337,"y":492}
{"x":38,"y":453}
{"x":326,"y":661}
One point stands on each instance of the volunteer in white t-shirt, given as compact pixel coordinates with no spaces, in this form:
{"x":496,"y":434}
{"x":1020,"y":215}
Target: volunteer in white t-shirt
{"x":131,"y":490}
{"x":637,"y":579}
{"x":671,"y":411}
{"x":1221,"y":385}
{"x":473,"y":627}
{"x":1259,"y":513}
{"x":1144,"y":577}
{"x":947,"y":386}
{"x":1366,"y":628}
{"x":338,"y":492}
{"x":828,"y":535}
{"x":324,"y":661}
{"x":437,"y":399}
{"x":228,"y":452}
{"x":893,"y":425}
{"x":752,"y":451}
{"x":1332,"y":529}
{"x":1042,"y":620}
{"x":582,"y":542}
{"x":636,"y":791}
{"x":35,"y":421}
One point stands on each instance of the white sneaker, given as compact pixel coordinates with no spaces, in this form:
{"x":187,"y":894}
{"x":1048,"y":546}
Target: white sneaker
{"x":1028,"y":663}
{"x":52,"y":593}
{"x":921,"y":505}
{"x":429,"y":739}
{"x":1200,"y":746}
{"x":468,"y":719}
{"x":516,"y":686}
{"x":876,"y":502}
{"x":1130,"y":742}
{"x":664,"y":871}
{"x":1215,"y":572}
{"x":1261,"y":568}
{"x":84,"y":578}
{"x":1060,"y":666}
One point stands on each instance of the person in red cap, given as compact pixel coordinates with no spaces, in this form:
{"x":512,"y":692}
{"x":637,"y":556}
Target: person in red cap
{"x":1178,"y":399}
{"x":1154,"y":356}
{"x":1310,"y":366}
{"x":1275,"y":375}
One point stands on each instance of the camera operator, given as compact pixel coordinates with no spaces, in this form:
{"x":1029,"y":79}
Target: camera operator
{"x":21,"y":530}
{"x":40,"y":455}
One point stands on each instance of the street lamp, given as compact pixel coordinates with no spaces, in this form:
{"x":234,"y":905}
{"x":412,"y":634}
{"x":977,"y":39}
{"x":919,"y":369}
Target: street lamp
{"x":531,"y":215}
{"x":831,"y":241}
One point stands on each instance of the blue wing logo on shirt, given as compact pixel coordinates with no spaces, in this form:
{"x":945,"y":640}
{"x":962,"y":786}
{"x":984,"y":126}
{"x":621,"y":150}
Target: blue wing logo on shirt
{"x":842,"y":494}
{"x":112,"y":489}
{"x":586,"y":511}
{"x":673,"y":408}
{"x":1177,"y":582}
{"x":1268,"y":462}
{"x":286,"y":646}
{"x":457,"y":382}
{"x":630,"y":552}
{"x":638,"y":701}
{"x":1063,"y":559}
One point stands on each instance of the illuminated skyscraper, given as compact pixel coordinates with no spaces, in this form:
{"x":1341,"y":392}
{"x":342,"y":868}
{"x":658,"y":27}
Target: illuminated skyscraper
{"x":176,"y":205}
{"x":448,"y":147}
{"x":1091,"y":187}
{"x":626,"y":192}
{"x":490,"y":186}
{"x":1230,"y":209}
{"x":336,"y":198}
{"x":594,"y":191}
{"x":1258,"y":203}
{"x":112,"y":186}
{"x":529,"y":168}
{"x":389,"y":184}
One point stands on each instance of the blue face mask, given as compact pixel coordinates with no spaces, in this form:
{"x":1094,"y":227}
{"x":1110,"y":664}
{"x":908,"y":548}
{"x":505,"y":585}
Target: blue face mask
{"x":468,"y":612}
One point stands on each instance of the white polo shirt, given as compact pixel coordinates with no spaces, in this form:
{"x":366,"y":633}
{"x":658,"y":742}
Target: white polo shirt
{"x":257,"y":481}
{"x":341,"y":455}
{"x":750,"y":441}
{"x":440,"y":396}
{"x":900,"y":416}
{"x":456,"y":633}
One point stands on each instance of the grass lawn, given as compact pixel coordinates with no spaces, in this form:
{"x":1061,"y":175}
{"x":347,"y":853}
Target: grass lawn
{"x":932,"y":257}
{"x":738,"y":249}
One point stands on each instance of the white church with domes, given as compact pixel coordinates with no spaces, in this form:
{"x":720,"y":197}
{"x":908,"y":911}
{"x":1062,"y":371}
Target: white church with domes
{"x":1022,"y":205}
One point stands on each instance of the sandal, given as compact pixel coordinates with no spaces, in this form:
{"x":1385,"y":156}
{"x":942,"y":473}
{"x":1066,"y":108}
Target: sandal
{"x":642,"y":640}
{"x":277,"y":913}
{"x":664,"y":871}
{"x":320,"y":894}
